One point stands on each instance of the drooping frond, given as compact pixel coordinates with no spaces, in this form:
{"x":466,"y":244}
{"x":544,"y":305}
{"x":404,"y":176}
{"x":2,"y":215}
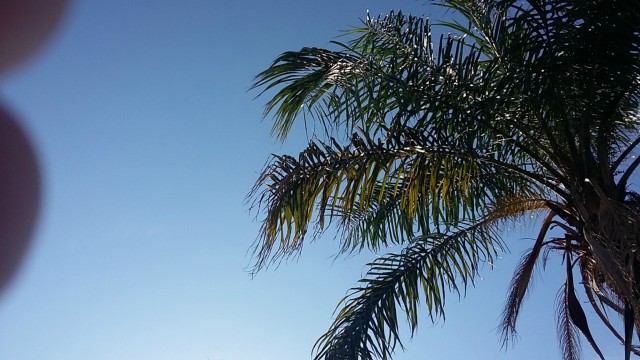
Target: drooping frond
{"x":310,"y":80}
{"x":431,"y":266}
{"x":568,"y":335}
{"x":380,"y":191}
{"x":520,"y":283}
{"x":576,"y":313}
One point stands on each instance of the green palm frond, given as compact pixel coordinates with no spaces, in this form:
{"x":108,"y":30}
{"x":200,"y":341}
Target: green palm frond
{"x":312,"y":81}
{"x":389,"y":75}
{"x":431,"y":266}
{"x":376,"y":189}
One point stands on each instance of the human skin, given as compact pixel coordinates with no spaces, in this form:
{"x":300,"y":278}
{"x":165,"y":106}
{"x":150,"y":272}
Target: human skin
{"x":25,"y":26}
{"x":20,"y":193}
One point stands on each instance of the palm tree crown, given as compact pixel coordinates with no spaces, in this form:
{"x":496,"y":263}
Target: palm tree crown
{"x":437,"y":144}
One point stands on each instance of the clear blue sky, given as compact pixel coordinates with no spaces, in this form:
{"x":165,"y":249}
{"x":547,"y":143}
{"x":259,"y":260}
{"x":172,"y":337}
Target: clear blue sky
{"x":149,"y":140}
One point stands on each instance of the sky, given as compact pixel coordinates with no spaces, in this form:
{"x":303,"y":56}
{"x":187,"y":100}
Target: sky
{"x":149,"y":139}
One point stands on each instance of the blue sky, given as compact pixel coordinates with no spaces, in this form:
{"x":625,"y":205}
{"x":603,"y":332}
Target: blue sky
{"x":149,"y":141}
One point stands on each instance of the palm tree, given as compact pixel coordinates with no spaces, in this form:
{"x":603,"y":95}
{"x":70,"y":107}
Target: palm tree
{"x":436,"y":145}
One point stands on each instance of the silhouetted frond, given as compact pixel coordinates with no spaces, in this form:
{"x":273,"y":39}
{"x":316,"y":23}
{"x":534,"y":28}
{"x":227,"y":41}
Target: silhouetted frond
{"x":431,"y":266}
{"x":520,"y":284}
{"x":568,"y":335}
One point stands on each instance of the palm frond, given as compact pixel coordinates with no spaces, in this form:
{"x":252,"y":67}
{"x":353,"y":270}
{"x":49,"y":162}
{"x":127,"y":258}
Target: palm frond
{"x":568,"y":335}
{"x":367,"y":327}
{"x":373,"y":187}
{"x":389,"y":74}
{"x":520,"y":284}
{"x":576,"y":313}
